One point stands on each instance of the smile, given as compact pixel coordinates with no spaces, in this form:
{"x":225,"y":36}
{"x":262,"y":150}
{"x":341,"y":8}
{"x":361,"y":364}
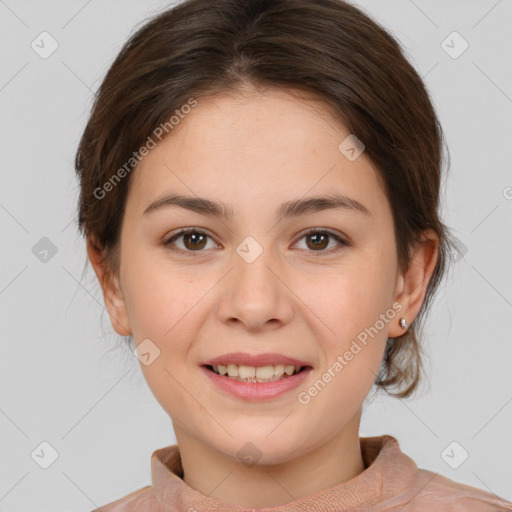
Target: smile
{"x":259,"y":374}
{"x":244,"y":383}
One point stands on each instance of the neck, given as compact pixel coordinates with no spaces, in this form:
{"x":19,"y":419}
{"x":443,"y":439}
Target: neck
{"x":217,"y":475}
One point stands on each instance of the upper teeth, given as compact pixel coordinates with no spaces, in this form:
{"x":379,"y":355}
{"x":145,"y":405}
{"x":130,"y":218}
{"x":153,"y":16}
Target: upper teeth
{"x":258,"y":372}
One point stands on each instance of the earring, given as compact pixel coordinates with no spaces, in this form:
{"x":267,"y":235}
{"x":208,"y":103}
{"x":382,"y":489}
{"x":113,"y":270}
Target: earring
{"x":403,"y":324}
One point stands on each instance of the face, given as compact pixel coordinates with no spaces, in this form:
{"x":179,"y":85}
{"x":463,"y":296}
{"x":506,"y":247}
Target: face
{"x":306,"y":285}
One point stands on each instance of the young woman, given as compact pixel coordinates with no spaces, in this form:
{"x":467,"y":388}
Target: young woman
{"x":260,"y":188}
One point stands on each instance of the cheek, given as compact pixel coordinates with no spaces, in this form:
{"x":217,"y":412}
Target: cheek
{"x":356,"y":305}
{"x":351,"y":298}
{"x":160,"y":298}
{"x":164,"y":305}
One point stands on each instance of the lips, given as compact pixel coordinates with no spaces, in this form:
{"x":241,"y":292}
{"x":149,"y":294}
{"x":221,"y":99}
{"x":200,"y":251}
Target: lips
{"x":256,"y":360}
{"x":251,"y":390}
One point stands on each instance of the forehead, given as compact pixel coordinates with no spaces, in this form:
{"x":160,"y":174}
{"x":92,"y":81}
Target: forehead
{"x":242,"y":147}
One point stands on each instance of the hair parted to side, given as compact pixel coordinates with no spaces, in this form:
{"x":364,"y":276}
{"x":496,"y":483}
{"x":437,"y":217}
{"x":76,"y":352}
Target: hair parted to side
{"x":328,"y":49}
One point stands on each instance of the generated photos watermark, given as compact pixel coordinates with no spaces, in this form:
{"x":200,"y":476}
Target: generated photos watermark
{"x":305,"y":397}
{"x":159,"y":132}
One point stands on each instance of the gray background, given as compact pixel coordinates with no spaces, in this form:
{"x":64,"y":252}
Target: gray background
{"x":65,"y":377}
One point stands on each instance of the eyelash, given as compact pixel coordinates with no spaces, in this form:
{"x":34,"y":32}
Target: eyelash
{"x":343,"y":243}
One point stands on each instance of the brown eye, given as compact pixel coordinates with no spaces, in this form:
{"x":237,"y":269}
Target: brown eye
{"x":317,"y":240}
{"x":193,"y":240}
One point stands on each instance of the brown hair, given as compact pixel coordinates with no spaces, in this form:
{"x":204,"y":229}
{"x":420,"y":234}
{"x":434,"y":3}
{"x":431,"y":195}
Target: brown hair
{"x":327,"y":48}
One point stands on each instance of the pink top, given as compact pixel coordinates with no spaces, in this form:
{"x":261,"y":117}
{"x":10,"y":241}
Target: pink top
{"x":391,"y":482}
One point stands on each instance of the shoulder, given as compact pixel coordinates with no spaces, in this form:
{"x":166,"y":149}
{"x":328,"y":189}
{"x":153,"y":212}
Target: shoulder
{"x":143,"y":499}
{"x":405,"y":487}
{"x":435,"y":491}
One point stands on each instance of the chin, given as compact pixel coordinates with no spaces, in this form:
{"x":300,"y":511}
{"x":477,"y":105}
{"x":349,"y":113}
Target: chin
{"x":257,"y":447}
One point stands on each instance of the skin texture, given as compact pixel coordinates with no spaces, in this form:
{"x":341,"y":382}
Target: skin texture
{"x":253,"y":151}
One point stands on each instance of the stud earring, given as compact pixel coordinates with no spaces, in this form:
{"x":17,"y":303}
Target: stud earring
{"x":403,"y":324}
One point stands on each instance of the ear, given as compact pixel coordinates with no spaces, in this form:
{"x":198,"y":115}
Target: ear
{"x":112,"y":293}
{"x":411,"y":286}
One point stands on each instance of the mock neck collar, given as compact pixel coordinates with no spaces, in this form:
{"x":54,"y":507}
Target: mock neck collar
{"x":388,"y":471}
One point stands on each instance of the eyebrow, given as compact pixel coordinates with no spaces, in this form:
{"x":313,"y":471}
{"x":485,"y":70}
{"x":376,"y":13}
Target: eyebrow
{"x":288,"y":209}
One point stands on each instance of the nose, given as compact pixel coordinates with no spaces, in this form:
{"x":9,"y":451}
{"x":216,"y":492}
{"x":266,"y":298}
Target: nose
{"x":255,"y":294}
